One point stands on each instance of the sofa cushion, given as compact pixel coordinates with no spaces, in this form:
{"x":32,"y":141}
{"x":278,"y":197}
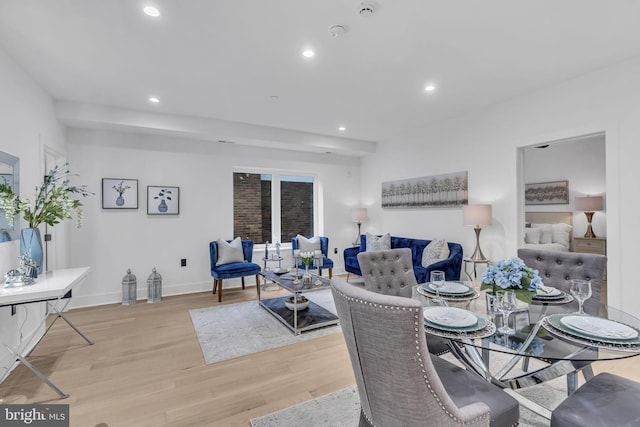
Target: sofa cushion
{"x":434,"y":251}
{"x":308,"y":245}
{"x":229,"y":252}
{"x":378,"y":243}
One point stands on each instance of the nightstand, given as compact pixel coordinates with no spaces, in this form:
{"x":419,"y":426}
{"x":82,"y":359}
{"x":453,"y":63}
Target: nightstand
{"x":591,"y":245}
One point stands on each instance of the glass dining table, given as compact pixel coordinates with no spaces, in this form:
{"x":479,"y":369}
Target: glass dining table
{"x":548,"y":329}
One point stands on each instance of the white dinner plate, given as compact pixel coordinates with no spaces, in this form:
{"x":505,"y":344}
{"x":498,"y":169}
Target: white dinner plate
{"x":452,"y":288}
{"x":598,"y":327}
{"x":548,"y":291}
{"x":450,"y":316}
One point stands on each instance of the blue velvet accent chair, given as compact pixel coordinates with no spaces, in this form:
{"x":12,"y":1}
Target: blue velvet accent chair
{"x":233,"y":270}
{"x":327,"y":263}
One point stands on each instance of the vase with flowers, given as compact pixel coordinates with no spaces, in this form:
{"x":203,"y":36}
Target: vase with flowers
{"x":306,"y":260}
{"x":512,"y":274}
{"x":55,"y":202}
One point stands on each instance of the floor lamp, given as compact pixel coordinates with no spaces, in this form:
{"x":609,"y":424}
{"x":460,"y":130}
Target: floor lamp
{"x":589,"y":204}
{"x":477,"y":215}
{"x":358,"y":215}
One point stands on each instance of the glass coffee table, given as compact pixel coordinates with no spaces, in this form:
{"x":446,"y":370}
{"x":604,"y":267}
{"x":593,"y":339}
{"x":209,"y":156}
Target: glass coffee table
{"x":297,"y":317}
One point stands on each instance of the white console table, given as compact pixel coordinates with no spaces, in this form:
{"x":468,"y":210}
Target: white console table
{"x":51,"y":287}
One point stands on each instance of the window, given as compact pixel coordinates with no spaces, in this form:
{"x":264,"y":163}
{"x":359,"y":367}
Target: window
{"x":273,"y":207}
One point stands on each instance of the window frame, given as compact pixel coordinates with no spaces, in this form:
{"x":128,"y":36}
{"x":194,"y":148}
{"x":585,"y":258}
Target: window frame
{"x":276,"y":219}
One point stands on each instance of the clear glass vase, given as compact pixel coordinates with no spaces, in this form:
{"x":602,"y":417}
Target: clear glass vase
{"x":306,"y":277}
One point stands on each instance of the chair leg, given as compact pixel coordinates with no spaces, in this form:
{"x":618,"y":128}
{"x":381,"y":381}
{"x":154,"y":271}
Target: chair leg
{"x":215,"y":285}
{"x":330,"y":273}
{"x":219,"y":290}
{"x":348,"y":276}
{"x":258,"y":284}
{"x":242,"y":278}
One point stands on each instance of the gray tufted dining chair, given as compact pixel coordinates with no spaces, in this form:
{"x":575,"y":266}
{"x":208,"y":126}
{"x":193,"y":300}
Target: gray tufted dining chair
{"x":556,"y":269}
{"x":390,"y":272}
{"x":605,"y":400}
{"x":399,"y":383}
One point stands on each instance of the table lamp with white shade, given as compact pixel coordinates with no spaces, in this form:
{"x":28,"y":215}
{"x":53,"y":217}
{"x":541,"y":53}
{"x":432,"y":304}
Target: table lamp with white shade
{"x":358,"y":215}
{"x":477,"y":215}
{"x":589,"y":204}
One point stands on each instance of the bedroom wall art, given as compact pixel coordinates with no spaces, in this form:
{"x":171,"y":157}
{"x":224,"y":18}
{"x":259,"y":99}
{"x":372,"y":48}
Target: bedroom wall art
{"x":547,"y":193}
{"x":434,"y":191}
{"x":119,"y":193}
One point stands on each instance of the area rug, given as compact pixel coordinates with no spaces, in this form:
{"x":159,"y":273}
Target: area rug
{"x":342,"y":408}
{"x":234,"y":330}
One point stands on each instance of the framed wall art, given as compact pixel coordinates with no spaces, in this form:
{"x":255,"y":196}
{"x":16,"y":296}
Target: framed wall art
{"x":547,"y":193}
{"x":446,"y":190}
{"x":163,"y":200}
{"x":119,"y":193}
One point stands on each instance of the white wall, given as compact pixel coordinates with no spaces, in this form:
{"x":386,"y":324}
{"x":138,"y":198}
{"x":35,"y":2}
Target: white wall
{"x":485,"y":143}
{"x":113,"y":240}
{"x":27,"y":122}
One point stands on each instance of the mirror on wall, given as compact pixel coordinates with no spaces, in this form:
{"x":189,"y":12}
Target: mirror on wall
{"x":9,"y":175}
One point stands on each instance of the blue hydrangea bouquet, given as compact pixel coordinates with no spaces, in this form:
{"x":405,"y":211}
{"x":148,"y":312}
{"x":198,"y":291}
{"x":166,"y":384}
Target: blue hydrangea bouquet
{"x":512,"y":274}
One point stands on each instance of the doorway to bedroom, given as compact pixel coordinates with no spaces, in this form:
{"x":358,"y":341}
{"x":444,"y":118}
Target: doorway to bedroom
{"x":557,"y":176}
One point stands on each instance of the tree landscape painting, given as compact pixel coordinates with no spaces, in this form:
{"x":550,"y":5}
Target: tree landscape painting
{"x":446,"y":190}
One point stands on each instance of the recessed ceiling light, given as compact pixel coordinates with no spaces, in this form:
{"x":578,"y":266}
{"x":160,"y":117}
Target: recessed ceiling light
{"x":308,"y":53}
{"x":430,"y":88}
{"x":274,"y":97}
{"x":342,"y":128}
{"x":151,"y":11}
{"x":154,"y":99}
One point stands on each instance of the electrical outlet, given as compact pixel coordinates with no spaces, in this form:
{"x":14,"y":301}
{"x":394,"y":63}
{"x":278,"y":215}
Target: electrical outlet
{"x":183,"y":262}
{"x":335,"y":250}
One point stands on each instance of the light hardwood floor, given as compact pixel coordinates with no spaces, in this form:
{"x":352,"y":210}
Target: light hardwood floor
{"x":147,"y":369}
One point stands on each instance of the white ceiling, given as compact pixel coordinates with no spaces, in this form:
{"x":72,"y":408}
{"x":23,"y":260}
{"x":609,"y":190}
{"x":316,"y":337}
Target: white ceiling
{"x":213,"y":61}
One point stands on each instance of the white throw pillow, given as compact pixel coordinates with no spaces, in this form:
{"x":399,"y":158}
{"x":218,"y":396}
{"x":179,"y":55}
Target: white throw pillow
{"x":532,"y":235}
{"x":308,"y":245}
{"x":229,"y":252}
{"x":445,"y":251}
{"x":434,"y":252}
{"x":561,"y":233}
{"x":378,"y":243}
{"x":546,"y":236}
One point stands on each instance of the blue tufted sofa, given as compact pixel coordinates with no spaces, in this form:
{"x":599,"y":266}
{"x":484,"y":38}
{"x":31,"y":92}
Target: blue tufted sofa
{"x":451,"y":266}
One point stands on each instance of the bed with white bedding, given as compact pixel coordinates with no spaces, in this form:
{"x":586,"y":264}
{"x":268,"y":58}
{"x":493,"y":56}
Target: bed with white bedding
{"x":548,"y":230}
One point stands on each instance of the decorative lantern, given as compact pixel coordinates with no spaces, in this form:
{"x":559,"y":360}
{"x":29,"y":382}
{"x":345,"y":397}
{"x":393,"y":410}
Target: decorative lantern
{"x":129,"y":288}
{"x":154,"y":287}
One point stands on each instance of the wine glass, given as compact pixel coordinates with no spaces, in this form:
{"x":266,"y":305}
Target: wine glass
{"x":437,"y":282}
{"x":581,"y":290}
{"x":505,"y":303}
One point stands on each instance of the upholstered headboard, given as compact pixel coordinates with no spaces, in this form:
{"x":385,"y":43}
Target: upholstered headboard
{"x":548,"y":217}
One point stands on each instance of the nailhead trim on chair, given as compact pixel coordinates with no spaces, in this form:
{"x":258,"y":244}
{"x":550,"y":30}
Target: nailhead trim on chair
{"x":419,"y":355}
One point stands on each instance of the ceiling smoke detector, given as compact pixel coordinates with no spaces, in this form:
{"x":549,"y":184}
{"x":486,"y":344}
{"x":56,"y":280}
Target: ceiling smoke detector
{"x":337,"y":30}
{"x":366,"y":8}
